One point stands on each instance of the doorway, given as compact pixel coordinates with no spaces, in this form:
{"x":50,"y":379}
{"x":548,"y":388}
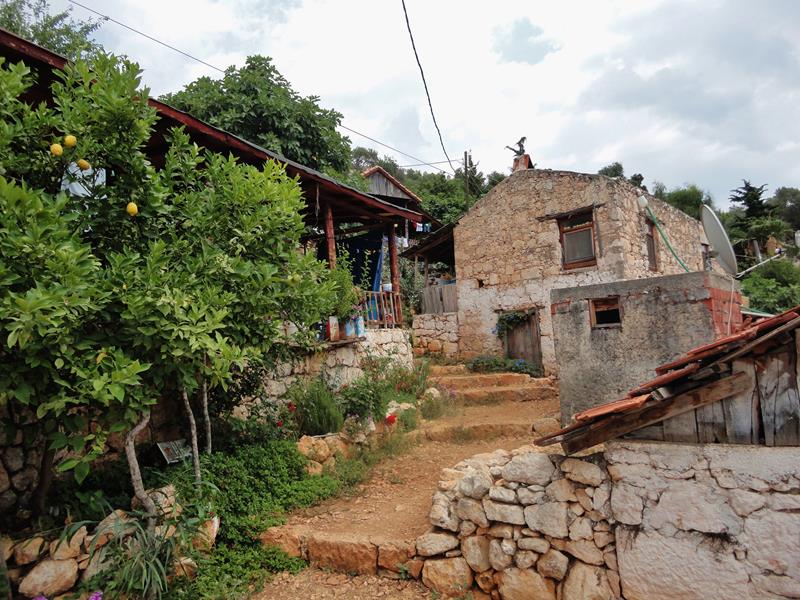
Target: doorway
{"x":525,"y":341}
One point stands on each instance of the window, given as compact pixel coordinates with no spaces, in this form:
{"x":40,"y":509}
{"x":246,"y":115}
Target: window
{"x":652,"y":250}
{"x":605,"y":312}
{"x":577,"y":241}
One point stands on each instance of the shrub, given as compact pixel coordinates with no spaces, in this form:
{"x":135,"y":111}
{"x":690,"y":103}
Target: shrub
{"x":364,"y":397}
{"x":316,"y":410}
{"x":408,"y":419}
{"x":433,"y":407}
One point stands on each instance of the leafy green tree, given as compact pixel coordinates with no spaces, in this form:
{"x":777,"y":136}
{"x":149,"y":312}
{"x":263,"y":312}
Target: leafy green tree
{"x":58,"y":32}
{"x":751,"y":198}
{"x":773,"y":287}
{"x":786,"y":203}
{"x":364,"y":158}
{"x":259,"y":105}
{"x":615,"y":169}
{"x":689,"y":199}
{"x":493,"y":178}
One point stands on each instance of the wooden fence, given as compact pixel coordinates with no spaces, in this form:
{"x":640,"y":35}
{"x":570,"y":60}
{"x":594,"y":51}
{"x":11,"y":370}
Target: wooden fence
{"x":438,"y":299}
{"x":383,"y":309}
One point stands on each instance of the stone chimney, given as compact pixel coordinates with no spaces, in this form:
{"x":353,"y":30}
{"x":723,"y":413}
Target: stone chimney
{"x":522,"y":162}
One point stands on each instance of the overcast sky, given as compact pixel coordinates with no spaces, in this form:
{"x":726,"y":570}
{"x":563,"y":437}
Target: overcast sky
{"x":680,"y":91}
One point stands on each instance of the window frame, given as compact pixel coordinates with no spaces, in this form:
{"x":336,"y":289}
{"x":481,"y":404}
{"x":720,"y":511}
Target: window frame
{"x":653,"y":262}
{"x":604,"y":304}
{"x":564,"y":230}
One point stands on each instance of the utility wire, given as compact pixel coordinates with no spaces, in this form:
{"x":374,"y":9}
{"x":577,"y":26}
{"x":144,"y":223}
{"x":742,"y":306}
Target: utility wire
{"x":425,"y":84}
{"x":187,"y":55}
{"x":149,"y":37}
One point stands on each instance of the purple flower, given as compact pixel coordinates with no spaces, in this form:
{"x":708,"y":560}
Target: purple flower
{"x":40,"y":597}
{"x":96,"y":596}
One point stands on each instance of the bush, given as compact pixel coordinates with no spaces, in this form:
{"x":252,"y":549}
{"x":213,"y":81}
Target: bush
{"x":364,"y":397}
{"x":316,"y":410}
{"x":496,"y":364}
{"x":408,"y":419}
{"x":433,"y":407}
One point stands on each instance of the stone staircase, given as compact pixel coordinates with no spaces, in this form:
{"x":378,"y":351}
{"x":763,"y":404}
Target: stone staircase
{"x":489,"y":388}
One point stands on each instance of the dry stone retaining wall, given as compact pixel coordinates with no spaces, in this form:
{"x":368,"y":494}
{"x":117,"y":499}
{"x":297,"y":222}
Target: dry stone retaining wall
{"x":436,"y":334}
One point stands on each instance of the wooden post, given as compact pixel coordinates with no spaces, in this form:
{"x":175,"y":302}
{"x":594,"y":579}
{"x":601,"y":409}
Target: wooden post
{"x":395,"y":273}
{"x":329,"y":237}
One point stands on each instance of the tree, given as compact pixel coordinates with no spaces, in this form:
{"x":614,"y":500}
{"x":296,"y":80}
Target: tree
{"x":773,"y":287}
{"x":786,"y":203}
{"x":58,"y":32}
{"x":259,"y":105}
{"x":493,"y":178}
{"x":689,"y":198}
{"x":751,"y":199}
{"x":615,"y":169}
{"x":364,"y":158}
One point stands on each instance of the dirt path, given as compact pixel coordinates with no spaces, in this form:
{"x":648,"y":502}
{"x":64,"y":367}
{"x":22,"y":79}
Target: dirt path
{"x":394,"y":502}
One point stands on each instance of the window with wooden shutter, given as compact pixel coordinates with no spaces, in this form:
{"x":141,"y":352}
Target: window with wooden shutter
{"x":577,"y":241}
{"x":605,"y":312}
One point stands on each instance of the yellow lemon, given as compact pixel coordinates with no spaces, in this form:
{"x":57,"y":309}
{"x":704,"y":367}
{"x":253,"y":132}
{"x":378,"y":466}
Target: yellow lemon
{"x":56,"y":150}
{"x":132,"y":209}
{"x":83,"y":164}
{"x":70,"y":141}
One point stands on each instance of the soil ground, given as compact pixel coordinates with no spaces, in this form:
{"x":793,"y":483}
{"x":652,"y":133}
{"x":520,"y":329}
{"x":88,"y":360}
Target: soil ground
{"x":394,"y":502}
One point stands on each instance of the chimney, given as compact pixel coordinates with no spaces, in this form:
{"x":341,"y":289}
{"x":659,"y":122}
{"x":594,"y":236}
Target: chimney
{"x":521,"y":162}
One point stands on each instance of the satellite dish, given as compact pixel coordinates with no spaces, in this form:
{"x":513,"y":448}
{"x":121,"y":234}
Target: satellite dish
{"x":715,"y":233}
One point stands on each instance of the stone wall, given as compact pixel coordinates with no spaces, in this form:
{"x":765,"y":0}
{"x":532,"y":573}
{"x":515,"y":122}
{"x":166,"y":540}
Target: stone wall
{"x":661,"y":318}
{"x":19,"y":476}
{"x":706,"y":521}
{"x":507,"y":258}
{"x":340,"y":365}
{"x":522,"y":524}
{"x":436,"y":334}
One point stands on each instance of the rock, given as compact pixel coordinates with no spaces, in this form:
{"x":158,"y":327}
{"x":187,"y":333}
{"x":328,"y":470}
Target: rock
{"x":773,"y":542}
{"x":561,"y":490}
{"x":508,"y":546}
{"x":693,"y":506}
{"x":50,"y":577}
{"x":27,"y":551}
{"x":452,"y":553}
{"x":501,"y":494}
{"x":584,"y":550}
{"x":414,"y":567}
{"x":497,"y":558}
{"x":525,"y":559}
{"x":472,"y":510}
{"x":448,"y":576}
{"x":626,"y":504}
{"x":337,"y":446}
{"x":552,"y":564}
{"x":63,"y":549}
{"x":486,"y":581}
{"x":314,"y":448}
{"x":601,"y":495}
{"x":583,"y":472}
{"x":475,"y":550}
{"x":529,"y":468}
{"x":614,"y":583}
{"x":314,"y":468}
{"x":25,"y":479}
{"x":431,"y":544}
{"x":443,"y":513}
{"x":6,"y":547}
{"x":603,"y":538}
{"x":526,"y":496}
{"x":14,"y":457}
{"x":164,"y":499}
{"x":287,"y":538}
{"x":393,"y":556}
{"x":505,"y":513}
{"x":185,"y":567}
{"x":475,"y":483}
{"x":206,"y":534}
{"x":349,"y":554}
{"x":586,"y":502}
{"x":538,"y":545}
{"x":545,"y":426}
{"x":7,"y":500}
{"x":5,"y":480}
{"x":524,"y":584}
{"x":585,"y":582}
{"x":467,"y":528}
{"x":580,"y":529}
{"x":97,"y":564}
{"x":549,"y":518}
{"x":501,"y":530}
{"x":115,"y":524}
{"x":610,"y":558}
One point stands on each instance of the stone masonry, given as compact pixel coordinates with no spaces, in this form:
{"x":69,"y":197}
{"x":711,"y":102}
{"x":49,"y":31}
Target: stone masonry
{"x":436,"y":334}
{"x":507,"y":258}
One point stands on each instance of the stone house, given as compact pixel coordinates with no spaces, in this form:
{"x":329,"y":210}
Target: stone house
{"x":540,"y":230}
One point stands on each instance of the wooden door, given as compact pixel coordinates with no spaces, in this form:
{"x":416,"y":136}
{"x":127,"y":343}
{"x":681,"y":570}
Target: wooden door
{"x":524,"y":341}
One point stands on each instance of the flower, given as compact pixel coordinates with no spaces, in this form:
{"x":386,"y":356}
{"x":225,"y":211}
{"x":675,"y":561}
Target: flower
{"x":40,"y":597}
{"x":391,"y":419}
{"x":279,"y":423}
{"x":96,"y":596}
{"x":291,"y":406}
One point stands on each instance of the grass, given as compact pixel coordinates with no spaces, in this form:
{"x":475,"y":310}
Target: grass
{"x":432,"y":407}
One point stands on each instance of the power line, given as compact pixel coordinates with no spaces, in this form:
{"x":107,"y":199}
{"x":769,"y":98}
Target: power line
{"x":430,"y":164}
{"x":187,"y":55}
{"x":425,"y":84}
{"x":149,"y":37}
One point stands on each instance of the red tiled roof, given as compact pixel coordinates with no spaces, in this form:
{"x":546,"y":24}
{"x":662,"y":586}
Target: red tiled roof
{"x":613,"y":407}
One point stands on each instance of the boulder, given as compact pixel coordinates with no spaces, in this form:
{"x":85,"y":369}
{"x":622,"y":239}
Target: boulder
{"x":472,"y":510}
{"x":505,"y":513}
{"x":549,"y":518}
{"x":185,"y":567}
{"x":6,"y":547}
{"x":349,"y":554}
{"x":313,"y":468}
{"x":475,"y":483}
{"x":585,"y":582}
{"x":443,"y":513}
{"x":431,"y":544}
{"x":447,"y":576}
{"x":552,"y":564}
{"x":27,"y":551}
{"x":63,"y":549}
{"x":524,"y":584}
{"x":393,"y":556}
{"x":164,"y":499}
{"x":206,"y":534}
{"x":529,"y":468}
{"x":314,"y":448}
{"x":583,"y":471}
{"x":287,"y":538}
{"x":50,"y":577}
{"x":475,"y":550}
{"x":118,"y":523}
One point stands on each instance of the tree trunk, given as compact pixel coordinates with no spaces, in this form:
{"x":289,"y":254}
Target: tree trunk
{"x":136,"y":473}
{"x":193,"y":432}
{"x":206,"y":417}
{"x":39,"y":499}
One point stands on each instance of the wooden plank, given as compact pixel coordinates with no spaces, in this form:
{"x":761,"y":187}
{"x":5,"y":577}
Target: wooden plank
{"x":780,"y":401}
{"x":615,"y":426}
{"x":681,"y":428}
{"x":449,"y":298}
{"x":738,"y":409}
{"x":653,"y":432}
{"x":329,"y":235}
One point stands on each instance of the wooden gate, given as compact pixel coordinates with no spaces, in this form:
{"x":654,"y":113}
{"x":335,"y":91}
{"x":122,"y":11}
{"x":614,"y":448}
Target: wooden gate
{"x":524,"y":341}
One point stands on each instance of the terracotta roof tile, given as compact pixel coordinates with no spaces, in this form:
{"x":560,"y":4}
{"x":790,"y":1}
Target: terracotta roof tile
{"x":664,"y":379}
{"x":619,"y":406}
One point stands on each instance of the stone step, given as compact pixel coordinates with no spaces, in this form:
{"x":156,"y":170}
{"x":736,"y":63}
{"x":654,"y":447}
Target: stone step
{"x":536,"y":390}
{"x":439,"y":370}
{"x":469,"y":432}
{"x":479,"y":380}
